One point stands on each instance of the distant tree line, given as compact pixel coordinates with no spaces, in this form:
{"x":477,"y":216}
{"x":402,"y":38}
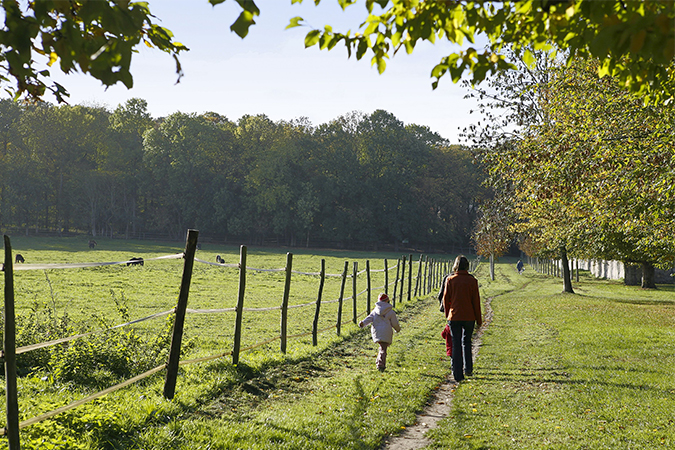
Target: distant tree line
{"x":359,"y":179}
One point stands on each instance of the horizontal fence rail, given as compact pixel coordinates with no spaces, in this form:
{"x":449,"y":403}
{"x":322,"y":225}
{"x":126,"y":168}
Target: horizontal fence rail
{"x":427,"y":277}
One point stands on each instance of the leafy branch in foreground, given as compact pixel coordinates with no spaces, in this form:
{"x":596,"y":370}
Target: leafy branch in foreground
{"x":96,"y":37}
{"x":634,"y":41}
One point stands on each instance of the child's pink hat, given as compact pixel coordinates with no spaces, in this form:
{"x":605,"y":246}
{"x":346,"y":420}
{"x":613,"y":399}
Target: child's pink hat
{"x":383,"y":297}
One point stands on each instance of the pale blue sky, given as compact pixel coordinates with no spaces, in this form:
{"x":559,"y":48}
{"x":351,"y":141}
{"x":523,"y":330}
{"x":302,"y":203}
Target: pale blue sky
{"x":270,"y":72}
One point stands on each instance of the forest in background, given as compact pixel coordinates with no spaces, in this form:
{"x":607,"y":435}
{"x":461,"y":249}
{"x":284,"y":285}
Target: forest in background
{"x":361,"y":180}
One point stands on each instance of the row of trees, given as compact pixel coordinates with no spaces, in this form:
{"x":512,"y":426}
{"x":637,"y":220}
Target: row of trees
{"x":579,"y":166}
{"x":358,"y":179}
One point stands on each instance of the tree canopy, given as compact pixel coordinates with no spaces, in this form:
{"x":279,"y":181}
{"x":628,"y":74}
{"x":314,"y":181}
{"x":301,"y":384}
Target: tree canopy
{"x":96,"y":37}
{"x":596,"y":176}
{"x":633,"y":40}
{"x":359,"y":180}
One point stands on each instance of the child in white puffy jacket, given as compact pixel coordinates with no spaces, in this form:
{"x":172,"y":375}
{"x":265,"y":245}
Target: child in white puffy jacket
{"x":384,"y":322}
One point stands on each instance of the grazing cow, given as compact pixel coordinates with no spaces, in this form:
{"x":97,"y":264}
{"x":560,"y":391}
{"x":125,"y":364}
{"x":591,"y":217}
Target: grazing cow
{"x":92,"y":243}
{"x":220,"y":260}
{"x":135,"y":261}
{"x":19,"y":258}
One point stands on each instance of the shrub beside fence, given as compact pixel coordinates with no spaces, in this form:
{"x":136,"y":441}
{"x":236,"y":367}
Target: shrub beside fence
{"x":429,"y":273}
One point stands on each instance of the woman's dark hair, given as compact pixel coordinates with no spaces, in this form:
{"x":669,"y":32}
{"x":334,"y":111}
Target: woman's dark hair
{"x":461,"y":263}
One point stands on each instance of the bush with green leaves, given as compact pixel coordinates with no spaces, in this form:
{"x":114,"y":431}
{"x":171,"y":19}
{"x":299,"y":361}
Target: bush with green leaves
{"x":40,"y":324}
{"x":96,"y":360}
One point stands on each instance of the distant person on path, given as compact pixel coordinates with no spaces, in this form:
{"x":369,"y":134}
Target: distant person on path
{"x":519,"y":266}
{"x":461,"y":301}
{"x":384,"y":322}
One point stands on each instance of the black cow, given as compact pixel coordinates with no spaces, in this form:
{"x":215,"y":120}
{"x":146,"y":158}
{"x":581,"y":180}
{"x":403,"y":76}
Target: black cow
{"x":220,"y":260}
{"x":19,"y":258}
{"x":135,"y":261}
{"x":92,"y":243}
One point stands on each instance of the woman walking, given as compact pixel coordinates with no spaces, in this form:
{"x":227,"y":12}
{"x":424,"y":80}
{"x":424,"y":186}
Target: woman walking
{"x":461,"y":301}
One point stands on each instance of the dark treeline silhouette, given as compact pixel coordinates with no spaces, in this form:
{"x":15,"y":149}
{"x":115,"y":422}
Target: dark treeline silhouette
{"x":360,"y":180}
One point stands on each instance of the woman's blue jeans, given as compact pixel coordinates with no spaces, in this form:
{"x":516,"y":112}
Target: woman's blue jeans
{"x":462,"y":358}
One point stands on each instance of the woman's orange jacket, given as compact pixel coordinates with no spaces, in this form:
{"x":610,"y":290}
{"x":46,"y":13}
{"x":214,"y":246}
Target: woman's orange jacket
{"x":461,"y":298}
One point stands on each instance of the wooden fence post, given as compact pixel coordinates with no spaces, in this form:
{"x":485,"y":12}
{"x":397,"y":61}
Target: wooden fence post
{"x":426,"y":270}
{"x":432,"y":274}
{"x":368,"y":286}
{"x":439,"y":273}
{"x":315,"y":325}
{"x":410,"y":277}
{"x":386,"y":278}
{"x":418,"y":281}
{"x":179,"y":320}
{"x":398,"y":270}
{"x":404,"y":260}
{"x":342,"y":295}
{"x":284,"y":302}
{"x":356,"y":268}
{"x":9,"y":353}
{"x":240,"y":305}
{"x":427,"y":278}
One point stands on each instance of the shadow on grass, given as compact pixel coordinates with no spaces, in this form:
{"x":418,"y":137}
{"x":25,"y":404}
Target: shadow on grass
{"x":643,"y":302}
{"x":637,"y":301}
{"x":234,"y":393}
{"x":538,"y":378}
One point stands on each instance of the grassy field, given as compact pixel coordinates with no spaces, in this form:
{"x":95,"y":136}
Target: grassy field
{"x":93,"y":297}
{"x":591,"y":370}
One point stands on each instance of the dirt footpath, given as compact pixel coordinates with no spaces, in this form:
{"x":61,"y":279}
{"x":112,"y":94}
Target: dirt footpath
{"x":439,"y":405}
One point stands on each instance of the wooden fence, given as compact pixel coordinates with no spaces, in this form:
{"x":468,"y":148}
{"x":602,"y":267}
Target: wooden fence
{"x":553,"y":267}
{"x":429,"y":273}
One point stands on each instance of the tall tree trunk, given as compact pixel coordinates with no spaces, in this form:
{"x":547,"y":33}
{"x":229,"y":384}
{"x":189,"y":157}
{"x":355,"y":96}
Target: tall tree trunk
{"x":648,"y":280}
{"x":567,"y":274}
{"x":492,"y":266}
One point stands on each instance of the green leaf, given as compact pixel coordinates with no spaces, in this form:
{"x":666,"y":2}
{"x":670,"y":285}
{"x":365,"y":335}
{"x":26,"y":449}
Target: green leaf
{"x":361,"y":48}
{"x":242,"y":24}
{"x":528,"y":58}
{"x":295,"y":22}
{"x":381,"y":64}
{"x":312,"y":38}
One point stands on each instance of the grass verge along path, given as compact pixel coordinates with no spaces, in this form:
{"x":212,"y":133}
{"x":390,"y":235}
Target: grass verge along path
{"x":592,"y":370}
{"x":333,"y":400}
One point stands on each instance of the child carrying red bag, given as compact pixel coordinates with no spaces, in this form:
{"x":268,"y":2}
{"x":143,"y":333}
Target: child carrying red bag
{"x":445,"y":334}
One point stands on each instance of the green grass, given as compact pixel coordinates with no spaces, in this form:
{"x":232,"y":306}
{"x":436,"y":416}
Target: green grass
{"x":126,"y":417}
{"x":88,"y":295}
{"x":591,"y":370}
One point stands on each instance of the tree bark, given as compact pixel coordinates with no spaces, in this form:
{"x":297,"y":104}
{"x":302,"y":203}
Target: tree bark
{"x":648,"y":280}
{"x":567,"y":274}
